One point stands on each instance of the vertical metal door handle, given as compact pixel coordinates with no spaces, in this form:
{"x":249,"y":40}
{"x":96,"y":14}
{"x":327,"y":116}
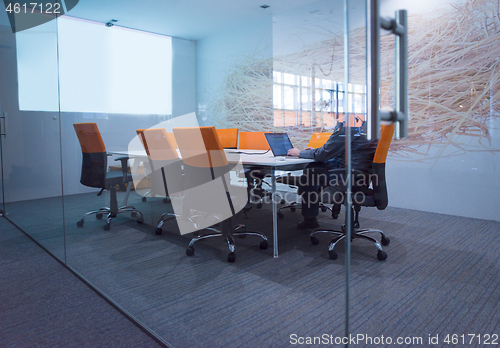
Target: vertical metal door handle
{"x":401,"y":71}
{"x":373,"y":69}
{"x":399,"y":27}
{"x":3,"y":125}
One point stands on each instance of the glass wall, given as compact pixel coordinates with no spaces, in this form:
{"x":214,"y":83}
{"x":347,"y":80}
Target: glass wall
{"x":31,"y":148}
{"x":282,"y":71}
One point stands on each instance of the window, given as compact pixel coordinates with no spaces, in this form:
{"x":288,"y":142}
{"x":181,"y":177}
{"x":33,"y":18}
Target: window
{"x":100,"y":69}
{"x":293,"y":101}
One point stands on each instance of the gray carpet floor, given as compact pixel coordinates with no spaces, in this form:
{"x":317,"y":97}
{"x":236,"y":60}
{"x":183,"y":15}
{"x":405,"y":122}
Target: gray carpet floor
{"x":42,"y":304}
{"x":441,"y":277}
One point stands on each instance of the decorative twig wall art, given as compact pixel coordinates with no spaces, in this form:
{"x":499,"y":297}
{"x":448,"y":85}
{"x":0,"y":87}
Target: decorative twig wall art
{"x":454,"y":78}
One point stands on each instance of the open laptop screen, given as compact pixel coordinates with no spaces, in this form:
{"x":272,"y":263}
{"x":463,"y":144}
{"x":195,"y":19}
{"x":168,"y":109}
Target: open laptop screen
{"x":279,"y":143}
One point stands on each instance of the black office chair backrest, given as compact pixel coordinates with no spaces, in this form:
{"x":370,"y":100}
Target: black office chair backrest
{"x":94,"y":158}
{"x":379,"y":184}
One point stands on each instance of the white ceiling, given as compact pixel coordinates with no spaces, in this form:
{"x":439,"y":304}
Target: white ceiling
{"x":188,"y":19}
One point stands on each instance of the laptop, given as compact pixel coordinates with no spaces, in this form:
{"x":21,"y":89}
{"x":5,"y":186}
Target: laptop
{"x":279,"y":143}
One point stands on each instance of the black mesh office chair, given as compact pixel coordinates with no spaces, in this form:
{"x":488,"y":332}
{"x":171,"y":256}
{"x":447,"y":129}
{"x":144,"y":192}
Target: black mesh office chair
{"x":376,"y":196}
{"x":95,"y":174}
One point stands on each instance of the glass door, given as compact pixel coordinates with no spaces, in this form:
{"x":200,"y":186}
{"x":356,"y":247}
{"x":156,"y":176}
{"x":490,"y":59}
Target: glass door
{"x":31,"y":152}
{"x":3,"y":123}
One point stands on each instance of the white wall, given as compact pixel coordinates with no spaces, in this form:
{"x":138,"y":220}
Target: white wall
{"x":183,"y":77}
{"x":216,"y":56}
{"x":464,"y":184}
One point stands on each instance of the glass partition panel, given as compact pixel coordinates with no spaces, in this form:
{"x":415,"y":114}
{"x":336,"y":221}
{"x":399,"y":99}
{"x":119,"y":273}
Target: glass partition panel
{"x":222,"y":79}
{"x":31,"y":147}
{"x":442,"y":184}
{"x":264,"y":69}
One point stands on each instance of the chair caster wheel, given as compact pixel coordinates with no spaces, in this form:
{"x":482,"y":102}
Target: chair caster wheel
{"x":333,"y":255}
{"x":80,"y":223}
{"x":259,"y":205}
{"x":133,"y":214}
{"x":356,"y":224}
{"x":106,"y":227}
{"x":231,"y":257}
{"x":140,"y":220}
{"x":293,"y":209}
{"x":144,"y":199}
{"x":264,"y":245}
{"x":323,"y":209}
{"x":158,"y":231}
{"x":166,"y":200}
{"x":385,"y":241}
{"x":381,"y":255}
{"x":335,"y":215}
{"x":190,"y":251}
{"x":282,"y":201}
{"x":98,"y":216}
{"x":314,"y":240}
{"x":280,"y":215}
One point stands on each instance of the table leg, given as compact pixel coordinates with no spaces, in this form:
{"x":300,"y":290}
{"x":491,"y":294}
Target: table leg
{"x":134,"y":168}
{"x":275,"y":212}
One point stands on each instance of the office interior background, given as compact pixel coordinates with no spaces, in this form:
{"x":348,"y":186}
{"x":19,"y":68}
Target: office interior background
{"x":281,"y":68}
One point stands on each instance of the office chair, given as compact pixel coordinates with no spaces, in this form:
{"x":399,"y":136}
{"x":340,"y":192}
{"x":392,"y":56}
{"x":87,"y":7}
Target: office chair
{"x":376,"y":196}
{"x":165,"y":165}
{"x":171,"y":138}
{"x":317,"y":140}
{"x":252,"y":141}
{"x":95,"y":173}
{"x":255,"y":175}
{"x":205,"y":161}
{"x":228,"y":137}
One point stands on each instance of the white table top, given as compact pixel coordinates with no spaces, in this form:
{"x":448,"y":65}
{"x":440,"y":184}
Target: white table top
{"x":247,"y":157}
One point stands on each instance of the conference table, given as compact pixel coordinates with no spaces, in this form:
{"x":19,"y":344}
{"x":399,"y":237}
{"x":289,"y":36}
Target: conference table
{"x":256,"y":158}
{"x":249,"y":159}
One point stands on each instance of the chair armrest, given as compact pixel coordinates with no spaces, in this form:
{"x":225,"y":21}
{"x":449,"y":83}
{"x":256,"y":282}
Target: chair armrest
{"x":124,"y":161}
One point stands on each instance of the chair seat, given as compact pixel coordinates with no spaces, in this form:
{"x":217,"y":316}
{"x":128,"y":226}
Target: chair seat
{"x":335,"y":195}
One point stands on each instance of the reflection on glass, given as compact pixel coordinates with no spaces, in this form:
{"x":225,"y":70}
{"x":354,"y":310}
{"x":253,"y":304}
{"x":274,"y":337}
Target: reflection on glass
{"x":31,"y":150}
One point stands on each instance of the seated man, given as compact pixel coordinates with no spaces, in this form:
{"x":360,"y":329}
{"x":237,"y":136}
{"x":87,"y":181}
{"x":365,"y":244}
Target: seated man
{"x":332,"y":155}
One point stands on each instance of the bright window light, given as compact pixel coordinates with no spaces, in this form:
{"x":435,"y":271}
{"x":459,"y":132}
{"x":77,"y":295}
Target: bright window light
{"x":101,"y":69}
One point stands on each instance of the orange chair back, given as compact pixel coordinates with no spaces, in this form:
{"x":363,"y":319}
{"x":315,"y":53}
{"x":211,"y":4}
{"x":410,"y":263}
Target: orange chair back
{"x":159,"y":145}
{"x":228,"y":137}
{"x":94,"y":157}
{"x":386,"y":133}
{"x":318,"y":139}
{"x":89,"y":137}
{"x":200,"y":147}
{"x":252,"y":141}
{"x":170,"y":136}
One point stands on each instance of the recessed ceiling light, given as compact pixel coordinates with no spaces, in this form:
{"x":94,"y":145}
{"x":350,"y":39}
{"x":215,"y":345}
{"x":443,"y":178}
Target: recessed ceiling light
{"x":265,"y":6}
